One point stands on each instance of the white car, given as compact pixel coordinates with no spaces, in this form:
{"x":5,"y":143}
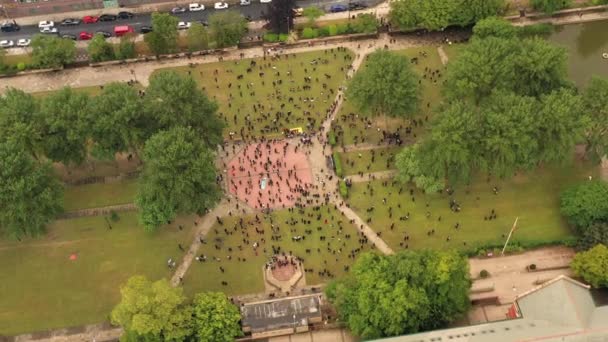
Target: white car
{"x":183,"y":25}
{"x":23,"y":42}
{"x":245,"y":2}
{"x":220,"y":5}
{"x":265,"y":1}
{"x":48,"y":30}
{"x":195,"y":7}
{"x":6,"y":44}
{"x":46,"y":23}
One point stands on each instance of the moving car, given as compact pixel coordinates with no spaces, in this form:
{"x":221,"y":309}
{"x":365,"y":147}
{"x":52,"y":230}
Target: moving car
{"x":245,"y":2}
{"x":335,"y":8}
{"x":85,"y":35}
{"x":183,"y":25}
{"x":105,"y":34}
{"x":124,"y":29}
{"x":69,"y":36}
{"x":70,"y":22}
{"x":89,"y":19}
{"x":220,"y":5}
{"x":176,"y":10}
{"x":6,"y":44}
{"x":23,"y":42}
{"x":195,"y":7}
{"x":125,"y":15}
{"x":49,"y":30}
{"x":9,"y":26}
{"x":145,"y":29}
{"x":45,"y":24}
{"x":107,"y":17}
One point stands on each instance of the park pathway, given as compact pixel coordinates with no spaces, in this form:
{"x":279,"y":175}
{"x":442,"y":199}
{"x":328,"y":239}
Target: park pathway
{"x":442,"y":55}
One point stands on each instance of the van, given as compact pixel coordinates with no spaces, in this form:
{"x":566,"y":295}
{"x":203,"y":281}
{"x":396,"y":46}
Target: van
{"x":122,"y":30}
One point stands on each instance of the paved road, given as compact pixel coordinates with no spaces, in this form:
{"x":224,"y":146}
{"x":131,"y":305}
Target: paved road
{"x":253,"y":11}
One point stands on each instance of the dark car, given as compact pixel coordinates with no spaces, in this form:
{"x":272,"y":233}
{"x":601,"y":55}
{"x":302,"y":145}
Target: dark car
{"x":105,"y":34}
{"x":70,"y":22}
{"x":145,"y":29}
{"x":338,"y":8}
{"x":9,"y":26}
{"x":125,"y":15}
{"x":354,"y":6}
{"x":69,"y":36}
{"x":107,"y":17}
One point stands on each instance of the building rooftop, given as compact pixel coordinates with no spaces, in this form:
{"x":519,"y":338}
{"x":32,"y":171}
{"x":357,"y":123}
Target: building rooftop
{"x":281,"y":313}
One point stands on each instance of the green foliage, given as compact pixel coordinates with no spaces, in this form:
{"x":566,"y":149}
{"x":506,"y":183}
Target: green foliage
{"x":152,"y":311}
{"x":592,"y":265}
{"x":585,"y":204}
{"x":271,"y":37}
{"x":126,"y":47}
{"x":312,"y":13}
{"x":592,"y":235}
{"x":332,"y":30}
{"x":30,"y":195}
{"x":403,"y":293}
{"x":64,"y":127}
{"x":50,"y":51}
{"x":408,"y":166}
{"x":198,"y":38}
{"x":387,"y":85}
{"x":310,"y":33}
{"x":331,"y":139}
{"x":173,"y":100}
{"x":19,"y":120}
{"x":163,"y":39}
{"x":323,"y":31}
{"x":338,"y":165}
{"x":494,"y":27}
{"x":100,"y":50}
{"x":215,"y":318}
{"x":595,"y":100}
{"x":345,"y":28}
{"x":21,"y":66}
{"x":550,"y":6}
{"x":365,"y":23}
{"x":179,"y":177}
{"x":484,"y":274}
{"x":227,"y":28}
{"x":343,"y":189}
{"x":114,"y":216}
{"x":283,"y":37}
{"x":541,"y":30}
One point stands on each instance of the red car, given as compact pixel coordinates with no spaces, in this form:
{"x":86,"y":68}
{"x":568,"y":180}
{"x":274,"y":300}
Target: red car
{"x":89,"y":19}
{"x":85,"y":35}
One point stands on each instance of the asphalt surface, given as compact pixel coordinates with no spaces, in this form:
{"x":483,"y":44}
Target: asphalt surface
{"x":253,"y":11}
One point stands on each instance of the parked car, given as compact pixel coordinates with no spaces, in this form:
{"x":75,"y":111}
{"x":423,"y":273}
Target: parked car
{"x":335,"y":8}
{"x":105,"y":34}
{"x":125,"y":15}
{"x":70,"y":22}
{"x":196,"y":7}
{"x":176,"y":10}
{"x":45,"y":24}
{"x":23,"y":42}
{"x":85,"y":35}
{"x":220,"y":5}
{"x":245,"y":2}
{"x":121,"y":30}
{"x":9,"y":26}
{"x":69,"y":36}
{"x":6,"y":44}
{"x":355,"y":6}
{"x":145,"y":29}
{"x":49,"y":30}
{"x":107,"y":17}
{"x":183,"y":25}
{"x":89,"y":19}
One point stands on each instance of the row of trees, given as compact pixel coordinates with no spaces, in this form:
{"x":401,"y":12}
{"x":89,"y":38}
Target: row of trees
{"x":174,"y":127}
{"x":156,"y":311}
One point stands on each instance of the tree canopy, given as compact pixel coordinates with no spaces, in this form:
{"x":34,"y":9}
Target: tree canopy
{"x":280,"y":15}
{"x":592,"y":235}
{"x":228,"y":27}
{"x":591,"y":265}
{"x":312,"y":13}
{"x":585,"y":203}
{"x":163,"y":38}
{"x":550,"y":6}
{"x":178,"y":177}
{"x":19,"y":120}
{"x":100,"y":50}
{"x":198,"y":38}
{"x":387,"y":295}
{"x":30,"y":195}
{"x":365,"y":23}
{"x":386,"y":85}
{"x":50,"y":51}
{"x":215,"y":318}
{"x":126,"y":47}
{"x":494,"y":27}
{"x":595,"y":101}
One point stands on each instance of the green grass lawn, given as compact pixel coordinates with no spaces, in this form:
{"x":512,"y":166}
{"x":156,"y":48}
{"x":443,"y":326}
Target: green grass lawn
{"x":16,"y":59}
{"x":237,"y":98}
{"x":534,"y":198}
{"x":379,"y":159}
{"x":43,"y":289}
{"x":99,"y":194}
{"x":246,"y":276}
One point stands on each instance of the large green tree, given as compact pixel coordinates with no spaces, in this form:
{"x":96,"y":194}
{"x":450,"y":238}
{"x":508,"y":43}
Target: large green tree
{"x":175,"y":100}
{"x":64,"y":127}
{"x":387,"y":295}
{"x":126,"y":47}
{"x":386,"y":85}
{"x":100,"y":50}
{"x":227,"y":28}
{"x":494,"y":27}
{"x":592,"y":266}
{"x":179,"y":177}
{"x":215,"y":318}
{"x":198,"y":38}
{"x":152,"y":311}
{"x":163,"y":39}
{"x":30,"y":195}
{"x":585,"y":203}
{"x":19,"y":120}
{"x":49,"y":51}
{"x":409,"y":170}
{"x":592,"y":235}
{"x":595,"y":100}
{"x":117,"y":121}
{"x":280,"y":15}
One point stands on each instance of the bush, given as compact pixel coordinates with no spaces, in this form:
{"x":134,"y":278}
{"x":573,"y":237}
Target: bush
{"x":550,"y":6}
{"x":323,"y":31}
{"x":21,"y":66}
{"x":543,"y":29}
{"x":309,"y":33}
{"x":331,"y":138}
{"x":483,"y":274}
{"x":283,"y":37}
{"x":271,"y":37}
{"x":333,"y":30}
{"x":343,"y":189}
{"x":585,"y":203}
{"x":338,"y":165}
{"x":343,"y":28}
{"x":365,"y":23}
{"x":114,"y":216}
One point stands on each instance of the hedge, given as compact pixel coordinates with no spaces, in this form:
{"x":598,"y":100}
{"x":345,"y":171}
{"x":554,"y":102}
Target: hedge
{"x":343,"y":189}
{"x":519,"y":246}
{"x":331,"y":138}
{"x":338,"y":165}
